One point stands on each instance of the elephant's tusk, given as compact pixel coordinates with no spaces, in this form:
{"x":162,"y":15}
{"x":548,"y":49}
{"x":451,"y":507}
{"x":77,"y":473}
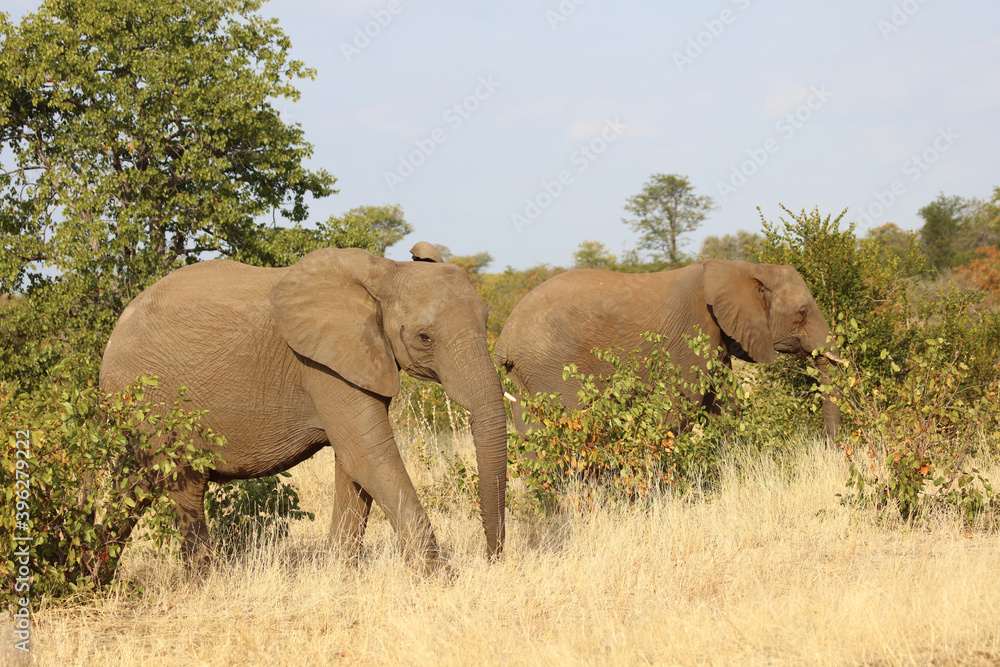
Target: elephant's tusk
{"x":837,"y":359}
{"x":510,"y":398}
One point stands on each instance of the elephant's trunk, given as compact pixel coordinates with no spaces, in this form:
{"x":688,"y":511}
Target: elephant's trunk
{"x":476,"y":387}
{"x":820,"y":338}
{"x":831,"y":407}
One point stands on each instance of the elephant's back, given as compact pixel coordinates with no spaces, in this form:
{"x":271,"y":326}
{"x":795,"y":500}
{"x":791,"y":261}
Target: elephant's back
{"x":583,"y":299}
{"x":215,"y":282}
{"x":205,"y":307}
{"x":564,"y":318}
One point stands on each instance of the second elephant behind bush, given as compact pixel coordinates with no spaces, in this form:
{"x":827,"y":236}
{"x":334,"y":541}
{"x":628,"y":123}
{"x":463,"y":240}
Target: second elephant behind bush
{"x":749,"y":310}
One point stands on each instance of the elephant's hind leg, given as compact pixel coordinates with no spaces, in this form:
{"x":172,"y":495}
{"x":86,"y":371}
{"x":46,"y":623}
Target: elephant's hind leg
{"x":187,"y":490}
{"x":351,"y":505}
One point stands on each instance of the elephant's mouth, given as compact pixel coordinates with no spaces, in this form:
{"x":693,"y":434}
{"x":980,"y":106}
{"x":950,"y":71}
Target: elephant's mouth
{"x":422,"y":373}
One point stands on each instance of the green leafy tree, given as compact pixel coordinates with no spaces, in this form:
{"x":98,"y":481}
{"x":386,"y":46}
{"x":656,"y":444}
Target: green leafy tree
{"x":284,"y":246}
{"x":385,"y":223}
{"x":593,"y":255}
{"x":137,"y":137}
{"x":666,"y":210}
{"x":942,"y":219}
{"x":730,"y":246}
{"x":954,"y":227}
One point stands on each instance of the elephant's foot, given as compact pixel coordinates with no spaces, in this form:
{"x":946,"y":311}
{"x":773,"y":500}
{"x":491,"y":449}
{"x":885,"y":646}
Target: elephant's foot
{"x":198,"y":555}
{"x":420,"y":549}
{"x":439,"y":567}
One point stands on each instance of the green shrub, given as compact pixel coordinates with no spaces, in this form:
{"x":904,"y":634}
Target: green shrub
{"x":639,"y":432}
{"x":247,"y":512}
{"x":953,"y":316}
{"x":921,"y":387}
{"x":914,"y":429}
{"x":78,"y":492}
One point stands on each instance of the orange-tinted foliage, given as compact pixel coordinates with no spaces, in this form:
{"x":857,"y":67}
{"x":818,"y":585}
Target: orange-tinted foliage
{"x":983,"y":273}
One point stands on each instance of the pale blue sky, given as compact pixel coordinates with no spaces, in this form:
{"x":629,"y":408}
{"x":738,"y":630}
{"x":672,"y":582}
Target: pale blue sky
{"x":604,"y":98}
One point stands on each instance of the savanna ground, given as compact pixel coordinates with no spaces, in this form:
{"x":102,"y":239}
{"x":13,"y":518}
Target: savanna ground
{"x":769,"y":569}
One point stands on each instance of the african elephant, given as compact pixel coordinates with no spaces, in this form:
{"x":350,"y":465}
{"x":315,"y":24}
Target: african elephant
{"x":750,"y":310}
{"x":289,"y":360}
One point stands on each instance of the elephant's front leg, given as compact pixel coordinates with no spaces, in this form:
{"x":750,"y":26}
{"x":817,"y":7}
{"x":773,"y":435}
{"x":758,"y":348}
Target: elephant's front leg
{"x":351,"y":505}
{"x":366,"y":451}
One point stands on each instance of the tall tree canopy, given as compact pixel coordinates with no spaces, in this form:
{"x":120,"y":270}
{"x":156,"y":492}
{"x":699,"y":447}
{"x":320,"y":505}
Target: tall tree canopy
{"x":666,"y":210}
{"x":136,"y":137}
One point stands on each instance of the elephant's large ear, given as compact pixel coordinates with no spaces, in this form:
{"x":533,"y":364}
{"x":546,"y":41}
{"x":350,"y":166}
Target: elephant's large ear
{"x":739,"y":301}
{"x":323,"y":311}
{"x":425,"y":252}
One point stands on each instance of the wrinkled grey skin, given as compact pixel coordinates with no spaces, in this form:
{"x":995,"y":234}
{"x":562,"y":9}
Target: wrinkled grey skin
{"x":750,"y":310}
{"x":290,"y":360}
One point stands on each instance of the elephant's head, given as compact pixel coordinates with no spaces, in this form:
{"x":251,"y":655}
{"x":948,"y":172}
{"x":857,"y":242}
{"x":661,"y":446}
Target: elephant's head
{"x":366,"y":317}
{"x":767,"y":308}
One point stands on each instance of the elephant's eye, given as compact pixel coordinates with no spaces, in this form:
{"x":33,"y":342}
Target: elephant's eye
{"x":424,"y":338}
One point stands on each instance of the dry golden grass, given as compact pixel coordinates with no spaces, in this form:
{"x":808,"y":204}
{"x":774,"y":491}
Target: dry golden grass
{"x":770,"y":571}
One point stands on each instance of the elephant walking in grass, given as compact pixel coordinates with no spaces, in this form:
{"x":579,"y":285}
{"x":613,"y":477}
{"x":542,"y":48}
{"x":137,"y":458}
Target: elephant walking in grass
{"x":290,"y":360}
{"x":749,"y":310}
